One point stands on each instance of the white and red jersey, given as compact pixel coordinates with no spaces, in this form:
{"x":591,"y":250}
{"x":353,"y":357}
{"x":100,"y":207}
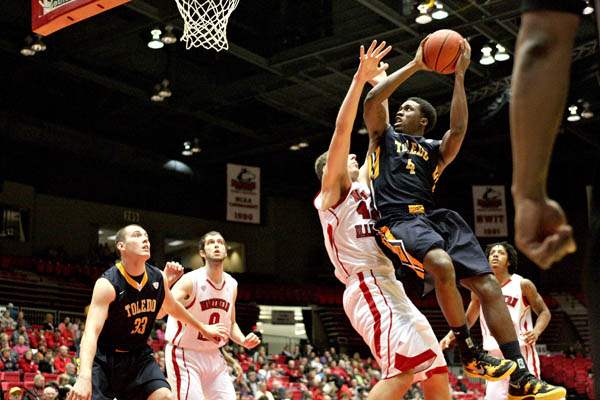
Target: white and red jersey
{"x":520,"y":313}
{"x":349,"y":233}
{"x":211,"y":304}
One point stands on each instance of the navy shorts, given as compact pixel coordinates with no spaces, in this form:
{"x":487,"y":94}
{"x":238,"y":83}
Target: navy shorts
{"x":570,"y":6}
{"x":131,"y":375}
{"x":412,"y":236}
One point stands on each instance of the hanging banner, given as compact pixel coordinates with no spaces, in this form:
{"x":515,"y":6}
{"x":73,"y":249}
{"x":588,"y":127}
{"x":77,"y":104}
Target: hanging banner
{"x":489,"y":204}
{"x":243,"y":194}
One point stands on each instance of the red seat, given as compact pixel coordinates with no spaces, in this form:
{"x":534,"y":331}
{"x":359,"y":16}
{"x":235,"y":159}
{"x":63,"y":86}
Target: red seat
{"x":10,"y":376}
{"x":50,"y":377}
{"x":28,"y":376}
{"x":28,"y":384}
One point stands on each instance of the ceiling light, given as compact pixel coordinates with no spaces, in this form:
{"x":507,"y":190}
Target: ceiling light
{"x":38,"y":45}
{"x":196,"y":147}
{"x":588,"y":8}
{"x":294,"y":147}
{"x":169,"y":37}
{"x":439,"y":12}
{"x":155,"y":43}
{"x":27,"y":51}
{"x":187,"y":149}
{"x":363,"y":131}
{"x":423,"y":17}
{"x":486,"y":58}
{"x":175,"y":243}
{"x":501,"y":54}
{"x":157,"y":98}
{"x":164,"y":90}
{"x":303,"y":145}
{"x":587,"y":113}
{"x":113,"y":237}
{"x":573,"y":116}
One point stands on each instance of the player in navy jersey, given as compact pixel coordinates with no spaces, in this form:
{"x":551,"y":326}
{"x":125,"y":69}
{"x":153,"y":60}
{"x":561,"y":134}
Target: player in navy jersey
{"x":437,"y":243}
{"x":116,"y":361}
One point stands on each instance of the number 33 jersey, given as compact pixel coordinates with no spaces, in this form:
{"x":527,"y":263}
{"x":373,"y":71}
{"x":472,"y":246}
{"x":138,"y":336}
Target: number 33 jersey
{"x":211,"y":304}
{"x":350,"y":236}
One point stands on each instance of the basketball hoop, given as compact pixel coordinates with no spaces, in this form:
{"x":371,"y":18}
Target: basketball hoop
{"x":205,"y":22}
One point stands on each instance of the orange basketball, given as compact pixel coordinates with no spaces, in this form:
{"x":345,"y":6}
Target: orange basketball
{"x":441,"y":51}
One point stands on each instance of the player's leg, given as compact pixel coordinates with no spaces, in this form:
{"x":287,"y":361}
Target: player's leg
{"x":392,"y":388}
{"x":182,"y":373}
{"x":436,"y":387}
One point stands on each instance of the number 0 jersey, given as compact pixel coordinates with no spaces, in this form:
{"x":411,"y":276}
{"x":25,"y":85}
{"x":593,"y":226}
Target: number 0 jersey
{"x":211,"y":304}
{"x":404,"y":170}
{"x":350,"y":236}
{"x":132,"y":314}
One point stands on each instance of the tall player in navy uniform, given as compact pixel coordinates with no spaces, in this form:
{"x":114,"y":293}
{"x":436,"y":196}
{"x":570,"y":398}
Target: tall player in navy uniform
{"x":437,"y":243}
{"x":116,"y":361}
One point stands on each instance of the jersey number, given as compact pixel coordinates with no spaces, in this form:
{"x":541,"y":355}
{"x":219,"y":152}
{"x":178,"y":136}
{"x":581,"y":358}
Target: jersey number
{"x":364,"y":211}
{"x":212,"y":320}
{"x":140,"y":325}
{"x":410,"y":166}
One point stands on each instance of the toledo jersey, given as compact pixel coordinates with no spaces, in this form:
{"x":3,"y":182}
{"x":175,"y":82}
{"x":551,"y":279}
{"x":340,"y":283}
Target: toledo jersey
{"x":520,"y":313}
{"x":404,"y":170}
{"x":132,"y":314}
{"x":350,"y":235}
{"x":211,"y":304}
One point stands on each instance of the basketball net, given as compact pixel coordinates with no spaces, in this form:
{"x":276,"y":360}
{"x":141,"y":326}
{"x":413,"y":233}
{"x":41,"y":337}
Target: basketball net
{"x":205,"y":22}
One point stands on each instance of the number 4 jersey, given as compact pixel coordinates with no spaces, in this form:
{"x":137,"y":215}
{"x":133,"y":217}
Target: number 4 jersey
{"x":211,"y":304}
{"x":350,"y":236}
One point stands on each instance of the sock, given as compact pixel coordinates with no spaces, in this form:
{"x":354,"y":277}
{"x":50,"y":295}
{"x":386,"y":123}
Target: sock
{"x":463,"y":338}
{"x":512,"y":351}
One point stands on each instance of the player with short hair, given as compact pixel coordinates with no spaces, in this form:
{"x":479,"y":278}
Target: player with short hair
{"x":399,"y":336}
{"x":437,"y":243}
{"x":196,"y":368}
{"x":116,"y":360}
{"x":521,"y":297}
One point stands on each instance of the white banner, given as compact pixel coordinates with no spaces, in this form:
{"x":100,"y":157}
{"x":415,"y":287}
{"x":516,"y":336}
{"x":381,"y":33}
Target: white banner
{"x":489,"y":204}
{"x":243,"y":194}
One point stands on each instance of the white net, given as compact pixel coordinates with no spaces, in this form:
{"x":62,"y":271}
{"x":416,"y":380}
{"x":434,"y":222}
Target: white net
{"x":205,"y":22}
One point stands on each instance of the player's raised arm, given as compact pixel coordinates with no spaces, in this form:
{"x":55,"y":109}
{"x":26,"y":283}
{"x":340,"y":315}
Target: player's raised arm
{"x":459,"y":111}
{"x":181,"y":292}
{"x":375,"y":110}
{"x":177,"y":311}
{"x":336,"y":181}
{"x":102,"y":296}
{"x":248,"y":341}
{"x":539,"y":307}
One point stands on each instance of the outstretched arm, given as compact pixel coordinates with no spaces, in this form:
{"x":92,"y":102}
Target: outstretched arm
{"x":459,"y":112}
{"x":336,"y":181}
{"x":248,"y":341}
{"x":539,"y":307}
{"x":375,"y":111}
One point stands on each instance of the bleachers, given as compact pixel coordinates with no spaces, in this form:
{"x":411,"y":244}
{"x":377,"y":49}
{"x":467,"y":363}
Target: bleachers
{"x":573,"y":373}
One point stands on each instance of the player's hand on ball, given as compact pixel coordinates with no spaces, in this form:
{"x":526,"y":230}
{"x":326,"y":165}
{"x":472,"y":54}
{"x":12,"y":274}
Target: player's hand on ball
{"x":82,"y":389}
{"x":542,"y":232}
{"x":251,"y":341}
{"x":173,"y":271}
{"x":465,"y":58}
{"x":530,"y":337}
{"x":216,"y":332}
{"x":418,"y":60}
{"x":447,"y":341}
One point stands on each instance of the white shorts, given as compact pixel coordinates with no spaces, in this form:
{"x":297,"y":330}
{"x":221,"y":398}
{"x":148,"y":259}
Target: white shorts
{"x":197,"y":375}
{"x":399,"y":336}
{"x":499,"y":389}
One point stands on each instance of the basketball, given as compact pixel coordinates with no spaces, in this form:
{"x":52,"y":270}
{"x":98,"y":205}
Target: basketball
{"x":441,"y":51}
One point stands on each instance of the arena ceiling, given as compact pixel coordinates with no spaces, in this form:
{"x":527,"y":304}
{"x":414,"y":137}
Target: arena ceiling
{"x":280,"y":83}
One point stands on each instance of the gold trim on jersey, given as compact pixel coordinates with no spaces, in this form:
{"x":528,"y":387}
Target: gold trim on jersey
{"x":374,"y":163}
{"x":132,"y":282}
{"x":416,"y":209}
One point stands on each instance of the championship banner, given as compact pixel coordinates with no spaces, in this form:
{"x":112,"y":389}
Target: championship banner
{"x":489,"y":204}
{"x":243,"y":194}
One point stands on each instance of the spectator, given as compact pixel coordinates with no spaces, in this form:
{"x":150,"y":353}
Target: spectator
{"x":21,"y":347}
{"x":9,"y":362}
{"x":47,"y":364}
{"x":49,"y":324}
{"x":6,"y":322}
{"x":160,"y":331}
{"x":4,"y":340}
{"x":15,"y":393}
{"x":22,"y":321}
{"x":71,"y":371}
{"x":12,"y":311}
{"x":61,"y":360}
{"x":20,"y":331}
{"x":263,"y":392}
{"x":27,"y":363}
{"x":50,"y":393}
{"x":37,"y":391}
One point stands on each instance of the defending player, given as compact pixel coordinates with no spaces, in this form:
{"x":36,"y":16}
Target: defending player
{"x":521,"y":297}
{"x":116,"y":361}
{"x":399,"y":336}
{"x":195,"y":366}
{"x":437,"y":243}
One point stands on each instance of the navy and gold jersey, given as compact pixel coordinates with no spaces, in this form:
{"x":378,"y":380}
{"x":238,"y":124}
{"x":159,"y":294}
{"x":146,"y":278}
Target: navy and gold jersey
{"x":404,"y":170}
{"x":132,"y":314}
